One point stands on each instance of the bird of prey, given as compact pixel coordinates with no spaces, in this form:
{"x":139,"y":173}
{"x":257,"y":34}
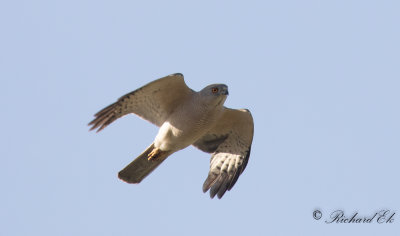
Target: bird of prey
{"x":186,"y":117}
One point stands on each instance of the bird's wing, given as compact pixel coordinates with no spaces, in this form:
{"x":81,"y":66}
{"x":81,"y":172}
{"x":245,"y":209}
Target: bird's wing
{"x":153,"y":102}
{"x":229,"y":141}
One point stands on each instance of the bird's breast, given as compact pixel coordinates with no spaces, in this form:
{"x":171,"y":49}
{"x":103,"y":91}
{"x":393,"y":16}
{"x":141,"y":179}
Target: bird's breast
{"x":183,"y":129}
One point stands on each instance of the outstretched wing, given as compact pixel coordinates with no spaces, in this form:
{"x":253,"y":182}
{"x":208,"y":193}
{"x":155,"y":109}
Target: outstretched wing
{"x":153,"y":102}
{"x":229,"y":141}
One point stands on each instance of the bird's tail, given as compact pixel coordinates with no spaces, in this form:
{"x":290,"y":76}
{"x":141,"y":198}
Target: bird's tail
{"x":141,"y":167}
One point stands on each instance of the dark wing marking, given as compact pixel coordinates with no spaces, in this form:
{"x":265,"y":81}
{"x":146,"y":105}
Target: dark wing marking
{"x":210,"y":142}
{"x":153,"y":102}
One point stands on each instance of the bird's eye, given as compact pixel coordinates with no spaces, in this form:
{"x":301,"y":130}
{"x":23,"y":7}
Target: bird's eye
{"x":214,"y":90}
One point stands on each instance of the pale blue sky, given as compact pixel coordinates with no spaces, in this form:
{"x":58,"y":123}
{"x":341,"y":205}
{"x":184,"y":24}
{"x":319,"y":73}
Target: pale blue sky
{"x":321,"y":79}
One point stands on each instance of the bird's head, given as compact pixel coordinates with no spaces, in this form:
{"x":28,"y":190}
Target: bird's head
{"x":215,"y":93}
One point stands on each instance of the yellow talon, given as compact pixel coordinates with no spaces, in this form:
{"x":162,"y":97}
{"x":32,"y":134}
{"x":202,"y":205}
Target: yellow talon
{"x":153,"y":153}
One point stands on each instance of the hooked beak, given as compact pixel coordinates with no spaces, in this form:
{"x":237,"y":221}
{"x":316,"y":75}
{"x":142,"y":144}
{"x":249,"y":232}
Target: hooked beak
{"x":225,"y":91}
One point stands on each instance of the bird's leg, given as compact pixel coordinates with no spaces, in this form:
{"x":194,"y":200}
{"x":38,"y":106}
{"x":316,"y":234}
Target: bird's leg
{"x":153,"y":154}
